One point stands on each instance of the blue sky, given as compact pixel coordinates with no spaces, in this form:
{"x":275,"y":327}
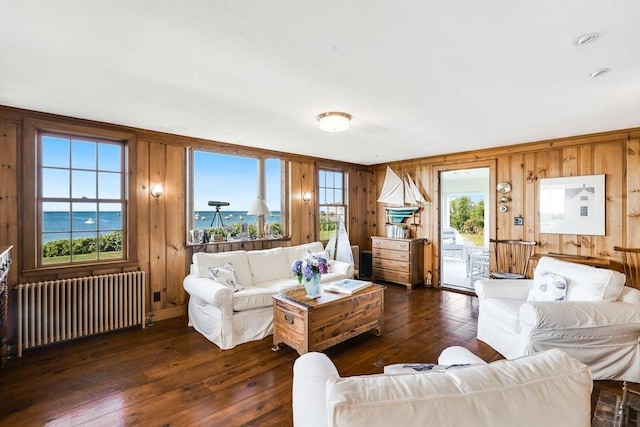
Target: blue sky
{"x":217,"y":177}
{"x":232,"y":179}
{"x":59,"y":155}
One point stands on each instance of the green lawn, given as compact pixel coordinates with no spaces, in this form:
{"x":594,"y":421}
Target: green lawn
{"x":476,"y":239}
{"x":83,"y":257}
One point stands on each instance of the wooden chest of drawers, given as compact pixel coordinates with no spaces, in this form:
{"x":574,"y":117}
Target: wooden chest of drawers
{"x":398,"y":260}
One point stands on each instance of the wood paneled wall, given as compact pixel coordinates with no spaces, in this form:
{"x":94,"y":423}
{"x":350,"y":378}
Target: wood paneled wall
{"x":615,"y":154}
{"x":161,"y":224}
{"x":160,"y":231}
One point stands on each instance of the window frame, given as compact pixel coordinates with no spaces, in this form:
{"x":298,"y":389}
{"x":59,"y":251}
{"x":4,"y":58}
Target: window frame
{"x":31,"y":200}
{"x":345,"y":199}
{"x":189,"y":189}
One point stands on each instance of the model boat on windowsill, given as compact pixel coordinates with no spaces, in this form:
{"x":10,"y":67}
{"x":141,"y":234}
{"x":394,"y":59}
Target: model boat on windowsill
{"x":401,"y":195}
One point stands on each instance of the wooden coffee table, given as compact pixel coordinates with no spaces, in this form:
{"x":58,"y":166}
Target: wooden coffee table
{"x":306,"y":324}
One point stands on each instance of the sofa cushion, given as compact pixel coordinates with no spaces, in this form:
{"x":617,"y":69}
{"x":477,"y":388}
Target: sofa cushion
{"x":584,"y":282}
{"x":528,"y":391}
{"x":269,"y":264}
{"x":252,"y":298}
{"x":547,"y":287}
{"x":238,"y":259}
{"x":300,"y":251}
{"x":227,"y":276}
{"x":630,"y":295}
{"x":281,"y":285}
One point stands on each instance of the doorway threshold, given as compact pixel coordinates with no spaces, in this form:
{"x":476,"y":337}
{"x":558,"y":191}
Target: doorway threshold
{"x":462,"y":289}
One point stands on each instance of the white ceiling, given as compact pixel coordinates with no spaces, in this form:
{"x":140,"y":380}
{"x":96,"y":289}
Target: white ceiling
{"x":420,"y":78}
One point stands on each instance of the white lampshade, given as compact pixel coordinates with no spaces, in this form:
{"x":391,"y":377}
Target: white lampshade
{"x":259,"y":207}
{"x":334,"y":121}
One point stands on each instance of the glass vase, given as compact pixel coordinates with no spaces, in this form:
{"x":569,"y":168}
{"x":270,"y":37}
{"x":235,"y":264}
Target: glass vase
{"x":313,"y":286}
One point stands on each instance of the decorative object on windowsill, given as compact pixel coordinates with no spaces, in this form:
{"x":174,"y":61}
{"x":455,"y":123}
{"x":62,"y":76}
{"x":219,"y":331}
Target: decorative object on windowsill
{"x":260,"y":209}
{"x":308,"y":271}
{"x":338,"y":247}
{"x":244,"y":229}
{"x":217,"y":213}
{"x":403,"y":195}
{"x":334,"y":121}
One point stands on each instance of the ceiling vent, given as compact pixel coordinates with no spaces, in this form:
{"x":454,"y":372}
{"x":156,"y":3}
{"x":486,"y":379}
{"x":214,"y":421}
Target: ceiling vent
{"x":585,"y":39}
{"x":599,"y":72}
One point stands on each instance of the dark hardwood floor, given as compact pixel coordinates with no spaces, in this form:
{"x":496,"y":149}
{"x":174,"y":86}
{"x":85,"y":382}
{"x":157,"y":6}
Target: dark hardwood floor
{"x":170,"y":375}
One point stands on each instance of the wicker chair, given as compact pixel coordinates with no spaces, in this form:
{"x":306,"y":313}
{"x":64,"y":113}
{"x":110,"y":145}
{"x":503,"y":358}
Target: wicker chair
{"x":630,"y":258}
{"x":511,"y":258}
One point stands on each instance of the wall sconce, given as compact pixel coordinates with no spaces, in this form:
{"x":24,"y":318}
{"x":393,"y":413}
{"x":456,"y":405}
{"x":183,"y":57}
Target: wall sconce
{"x":306,"y":197}
{"x":156,"y":190}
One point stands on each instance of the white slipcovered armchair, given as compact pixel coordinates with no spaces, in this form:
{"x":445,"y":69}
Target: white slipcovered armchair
{"x":597,"y":321}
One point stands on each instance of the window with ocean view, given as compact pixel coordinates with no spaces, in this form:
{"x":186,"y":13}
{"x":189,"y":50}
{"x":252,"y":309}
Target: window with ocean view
{"x":232,"y":181}
{"x":332,"y":201}
{"x":81,"y":196}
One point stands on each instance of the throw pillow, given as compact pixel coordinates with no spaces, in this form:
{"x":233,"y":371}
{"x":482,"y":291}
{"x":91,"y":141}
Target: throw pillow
{"x":547,"y":287}
{"x":226,"y":275}
{"x":412,"y":368}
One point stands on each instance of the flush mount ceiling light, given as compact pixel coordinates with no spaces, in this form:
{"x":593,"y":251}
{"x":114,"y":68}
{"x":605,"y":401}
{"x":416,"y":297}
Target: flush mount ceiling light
{"x":334,"y":121}
{"x":585,"y":38}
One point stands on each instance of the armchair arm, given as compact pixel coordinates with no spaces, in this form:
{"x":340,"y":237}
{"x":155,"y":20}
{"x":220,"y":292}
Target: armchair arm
{"x":210,"y":292}
{"x":517,"y":289}
{"x":457,"y":355}
{"x":341,"y":267}
{"x":310,"y":374}
{"x":578,"y":314}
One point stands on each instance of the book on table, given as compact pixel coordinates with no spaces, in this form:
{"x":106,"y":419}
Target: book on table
{"x":347,"y":286}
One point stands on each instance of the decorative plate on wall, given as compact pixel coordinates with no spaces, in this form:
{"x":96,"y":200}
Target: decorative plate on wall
{"x":503,"y":187}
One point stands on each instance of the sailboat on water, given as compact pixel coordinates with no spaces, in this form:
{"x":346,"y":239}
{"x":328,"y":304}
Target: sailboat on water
{"x":402,"y":195}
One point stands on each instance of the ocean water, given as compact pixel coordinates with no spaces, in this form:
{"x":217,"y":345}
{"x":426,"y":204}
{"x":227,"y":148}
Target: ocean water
{"x":202,"y":219}
{"x":57,"y":225}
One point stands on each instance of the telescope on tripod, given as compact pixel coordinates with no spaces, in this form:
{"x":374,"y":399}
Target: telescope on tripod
{"x":217,"y":212}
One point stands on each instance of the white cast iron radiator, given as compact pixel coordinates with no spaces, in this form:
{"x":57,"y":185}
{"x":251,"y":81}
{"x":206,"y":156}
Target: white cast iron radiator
{"x":59,"y":310}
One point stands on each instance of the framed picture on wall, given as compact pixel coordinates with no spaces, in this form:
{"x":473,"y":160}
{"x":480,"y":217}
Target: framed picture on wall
{"x":572,"y":205}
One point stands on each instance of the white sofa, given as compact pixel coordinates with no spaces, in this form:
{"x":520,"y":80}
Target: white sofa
{"x":597,"y":323}
{"x":229,"y":318}
{"x":548,"y":388}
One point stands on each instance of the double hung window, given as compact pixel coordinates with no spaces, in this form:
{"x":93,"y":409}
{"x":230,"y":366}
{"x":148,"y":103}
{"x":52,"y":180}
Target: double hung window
{"x":332,"y":204}
{"x":81,"y":198}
